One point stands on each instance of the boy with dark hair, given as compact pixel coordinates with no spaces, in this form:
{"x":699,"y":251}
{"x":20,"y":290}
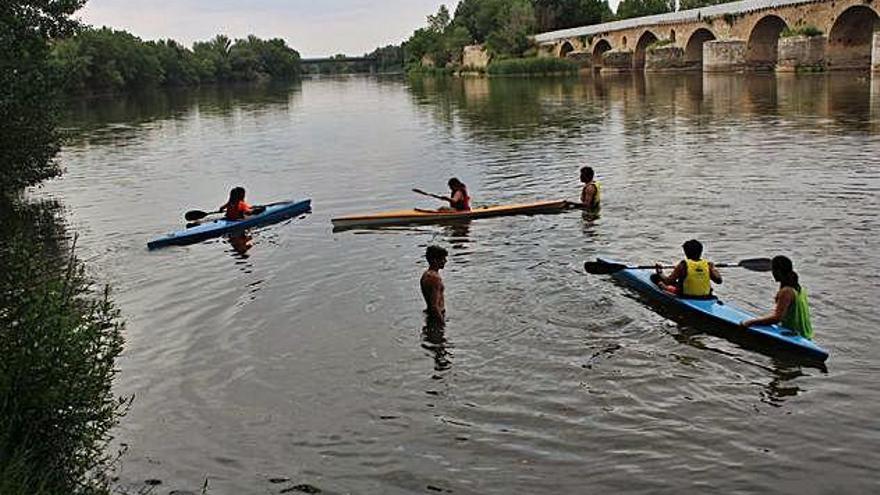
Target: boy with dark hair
{"x":591,"y":194}
{"x":692,"y":277}
{"x":432,"y":283}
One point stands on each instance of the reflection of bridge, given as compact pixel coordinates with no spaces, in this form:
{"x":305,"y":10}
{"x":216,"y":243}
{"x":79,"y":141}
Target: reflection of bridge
{"x":736,"y":36}
{"x":340,"y":64}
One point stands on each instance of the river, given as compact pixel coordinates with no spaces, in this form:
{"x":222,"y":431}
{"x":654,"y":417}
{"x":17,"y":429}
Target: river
{"x":300,"y":364}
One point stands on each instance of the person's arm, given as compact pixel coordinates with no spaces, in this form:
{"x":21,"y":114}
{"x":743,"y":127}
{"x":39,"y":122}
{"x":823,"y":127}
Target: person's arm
{"x":434,"y":290}
{"x":673,"y":277}
{"x":784,"y":298}
{"x":587,"y":195}
{"x":246,"y":208}
{"x":714,"y":274}
{"x":223,"y":208}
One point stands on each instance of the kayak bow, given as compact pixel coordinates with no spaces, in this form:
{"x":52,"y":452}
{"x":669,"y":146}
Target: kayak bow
{"x":274,"y":213}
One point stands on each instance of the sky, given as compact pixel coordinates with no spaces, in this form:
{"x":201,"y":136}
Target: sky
{"x":315,"y":28}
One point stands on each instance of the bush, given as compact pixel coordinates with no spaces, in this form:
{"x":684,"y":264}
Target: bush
{"x":539,"y":65}
{"x":660,"y":43}
{"x":808,"y":31}
{"x":59,"y":341}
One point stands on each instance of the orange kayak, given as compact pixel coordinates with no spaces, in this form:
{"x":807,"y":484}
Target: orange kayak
{"x":403,"y":217}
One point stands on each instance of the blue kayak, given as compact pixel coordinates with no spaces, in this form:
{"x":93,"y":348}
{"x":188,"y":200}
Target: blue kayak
{"x":275,"y":212}
{"x":726,"y":315}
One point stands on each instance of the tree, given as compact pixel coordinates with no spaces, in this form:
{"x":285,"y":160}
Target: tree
{"x":638,"y":8}
{"x":439,"y":21}
{"x":28,"y":89}
{"x":516,"y":19}
{"x":561,"y":14}
{"x":695,"y":4}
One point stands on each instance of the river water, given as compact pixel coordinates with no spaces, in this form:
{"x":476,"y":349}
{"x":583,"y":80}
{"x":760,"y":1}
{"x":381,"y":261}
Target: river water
{"x":301,"y":365}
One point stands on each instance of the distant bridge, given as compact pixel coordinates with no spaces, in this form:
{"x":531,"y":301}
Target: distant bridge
{"x":730,"y":37}
{"x":344,"y":64}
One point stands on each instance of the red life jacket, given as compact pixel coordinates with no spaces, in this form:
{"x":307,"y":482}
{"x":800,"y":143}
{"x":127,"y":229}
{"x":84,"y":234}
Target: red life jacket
{"x":237,"y":211}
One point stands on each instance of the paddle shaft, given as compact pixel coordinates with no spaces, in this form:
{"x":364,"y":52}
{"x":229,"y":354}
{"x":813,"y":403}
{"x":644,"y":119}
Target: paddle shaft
{"x":436,"y":196}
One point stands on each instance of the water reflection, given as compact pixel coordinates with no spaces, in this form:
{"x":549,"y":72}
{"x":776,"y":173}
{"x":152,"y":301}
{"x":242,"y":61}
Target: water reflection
{"x":241,"y":243}
{"x":434,"y":340}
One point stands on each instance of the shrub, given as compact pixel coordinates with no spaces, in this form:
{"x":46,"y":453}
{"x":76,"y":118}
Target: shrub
{"x":541,"y":65}
{"x":59,"y":341}
{"x":808,"y":31}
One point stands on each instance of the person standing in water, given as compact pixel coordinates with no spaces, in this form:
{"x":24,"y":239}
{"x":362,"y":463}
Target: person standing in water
{"x":792,"y":309}
{"x":236,"y":208}
{"x":432,"y":284}
{"x":591,"y":193}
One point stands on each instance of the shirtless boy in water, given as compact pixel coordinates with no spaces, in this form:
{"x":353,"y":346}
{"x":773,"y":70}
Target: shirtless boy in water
{"x":432,"y":283}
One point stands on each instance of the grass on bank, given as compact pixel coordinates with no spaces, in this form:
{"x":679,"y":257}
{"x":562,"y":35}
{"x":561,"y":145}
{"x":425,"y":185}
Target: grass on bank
{"x":532,"y":66}
{"x":59,"y":340}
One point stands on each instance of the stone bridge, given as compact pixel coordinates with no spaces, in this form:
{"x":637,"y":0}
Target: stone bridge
{"x":732,"y":37}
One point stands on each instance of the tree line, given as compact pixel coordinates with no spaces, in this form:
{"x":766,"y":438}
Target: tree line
{"x":102,"y":60}
{"x":504,"y":26}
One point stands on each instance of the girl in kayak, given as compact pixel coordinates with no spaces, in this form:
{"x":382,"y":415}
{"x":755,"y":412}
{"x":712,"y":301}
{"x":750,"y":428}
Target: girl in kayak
{"x":692,"y":277}
{"x":792,"y":308}
{"x":236,"y":208}
{"x":458,"y":199}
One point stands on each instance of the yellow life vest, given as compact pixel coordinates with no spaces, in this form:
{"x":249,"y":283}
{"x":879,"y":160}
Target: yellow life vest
{"x":597,"y":198}
{"x":697,"y":282}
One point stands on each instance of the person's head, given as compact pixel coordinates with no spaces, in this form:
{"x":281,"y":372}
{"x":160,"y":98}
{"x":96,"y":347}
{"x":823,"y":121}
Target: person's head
{"x":436,"y":256}
{"x":236,"y":194}
{"x":455,"y":184}
{"x":586,"y":174}
{"x":693,"y":249}
{"x":783,"y":272}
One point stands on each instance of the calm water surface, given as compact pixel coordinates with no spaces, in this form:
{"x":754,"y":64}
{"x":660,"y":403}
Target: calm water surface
{"x":301,"y":363}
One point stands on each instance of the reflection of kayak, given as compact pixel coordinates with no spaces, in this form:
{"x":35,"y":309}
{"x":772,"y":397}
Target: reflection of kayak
{"x":402,"y":217}
{"x":718,"y":312}
{"x":274,"y":213}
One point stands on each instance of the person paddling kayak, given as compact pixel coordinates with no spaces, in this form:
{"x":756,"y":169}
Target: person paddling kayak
{"x":458,"y":198}
{"x":792,"y":309}
{"x":236,"y":208}
{"x":431,"y":283}
{"x":692,"y":278}
{"x":591,"y":193}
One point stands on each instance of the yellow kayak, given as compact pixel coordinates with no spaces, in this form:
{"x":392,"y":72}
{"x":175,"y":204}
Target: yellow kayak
{"x":403,"y":217}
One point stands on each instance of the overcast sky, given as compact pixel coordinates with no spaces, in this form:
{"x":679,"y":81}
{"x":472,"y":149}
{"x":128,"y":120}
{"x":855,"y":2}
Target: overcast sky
{"x":313,"y":27}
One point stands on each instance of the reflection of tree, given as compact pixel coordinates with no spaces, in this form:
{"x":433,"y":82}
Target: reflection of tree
{"x":135,"y":109}
{"x":58,"y":342}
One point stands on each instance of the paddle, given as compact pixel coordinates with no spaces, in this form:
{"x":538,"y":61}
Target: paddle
{"x":604,"y":268}
{"x":193,"y":215}
{"x":419,"y":191}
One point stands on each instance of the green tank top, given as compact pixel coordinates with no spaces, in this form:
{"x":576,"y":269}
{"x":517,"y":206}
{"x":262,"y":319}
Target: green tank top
{"x":797,"y":317}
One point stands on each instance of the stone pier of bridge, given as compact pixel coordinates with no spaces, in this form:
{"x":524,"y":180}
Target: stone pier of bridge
{"x":750,"y":35}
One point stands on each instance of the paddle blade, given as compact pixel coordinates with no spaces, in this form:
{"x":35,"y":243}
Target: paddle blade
{"x":756,"y":264}
{"x":602,"y":268}
{"x":193,"y":215}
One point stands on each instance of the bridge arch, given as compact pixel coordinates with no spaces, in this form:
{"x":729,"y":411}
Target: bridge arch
{"x":645,"y":41}
{"x":565,"y":48}
{"x":599,"y":50}
{"x":693,"y":51}
{"x":763,"y":42}
{"x":850,"y":38}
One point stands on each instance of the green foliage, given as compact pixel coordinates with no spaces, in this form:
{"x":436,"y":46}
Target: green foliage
{"x":695,"y":4}
{"x":59,"y":341}
{"x":660,"y":43}
{"x":516,"y":21}
{"x":638,"y":8}
{"x":28,"y":89}
{"x":551,"y":15}
{"x":537,"y":66}
{"x":388,"y":58}
{"x":101,"y":60}
{"x":808,"y":31}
